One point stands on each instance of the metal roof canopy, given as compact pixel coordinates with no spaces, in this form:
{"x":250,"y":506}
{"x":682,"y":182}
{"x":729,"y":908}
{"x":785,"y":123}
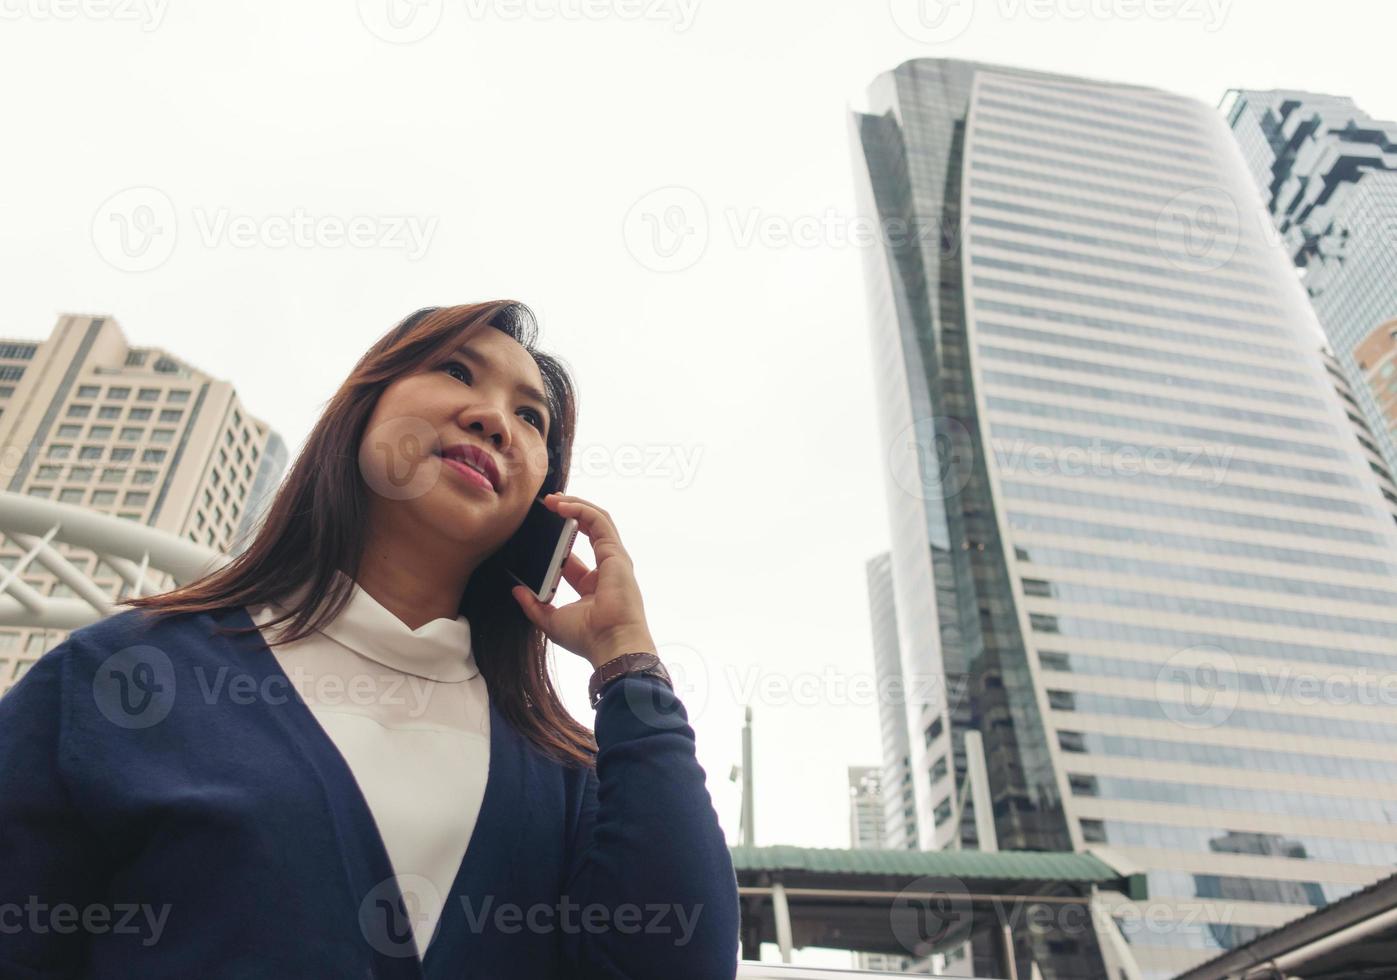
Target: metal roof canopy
{"x":1353,"y":937}
{"x":907,"y":903}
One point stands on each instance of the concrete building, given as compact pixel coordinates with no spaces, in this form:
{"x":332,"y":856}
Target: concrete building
{"x":1327,"y":172}
{"x":1376,"y":359}
{"x":1134,"y":543}
{"x":88,"y":419}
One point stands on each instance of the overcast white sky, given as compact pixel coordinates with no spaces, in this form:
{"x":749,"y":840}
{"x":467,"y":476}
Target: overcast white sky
{"x":513,"y":150}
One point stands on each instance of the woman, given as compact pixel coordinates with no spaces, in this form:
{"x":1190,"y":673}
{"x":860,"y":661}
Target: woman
{"x":343,"y":748}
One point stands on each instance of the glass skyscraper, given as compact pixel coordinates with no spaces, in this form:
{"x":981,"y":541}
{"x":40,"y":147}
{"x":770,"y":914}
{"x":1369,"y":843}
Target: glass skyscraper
{"x":1328,"y":175}
{"x":1135,"y":543}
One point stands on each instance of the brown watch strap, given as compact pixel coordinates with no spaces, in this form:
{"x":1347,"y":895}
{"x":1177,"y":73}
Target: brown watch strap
{"x":626,"y":663}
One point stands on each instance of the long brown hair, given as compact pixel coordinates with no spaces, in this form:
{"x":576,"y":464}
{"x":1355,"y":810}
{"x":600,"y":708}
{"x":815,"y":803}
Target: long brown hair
{"x":315,"y":526}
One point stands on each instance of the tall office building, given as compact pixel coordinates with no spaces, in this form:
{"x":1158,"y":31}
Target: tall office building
{"x":899,"y":813}
{"x":89,"y":420}
{"x":1328,"y":176}
{"x":1133,"y":531}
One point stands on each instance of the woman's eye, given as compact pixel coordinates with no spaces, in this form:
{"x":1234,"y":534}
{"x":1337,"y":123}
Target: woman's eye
{"x":536,"y":420}
{"x":459,"y":367}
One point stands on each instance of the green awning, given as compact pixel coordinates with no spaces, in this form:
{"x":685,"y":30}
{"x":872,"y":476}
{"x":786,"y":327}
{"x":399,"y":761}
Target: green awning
{"x":981,"y":865}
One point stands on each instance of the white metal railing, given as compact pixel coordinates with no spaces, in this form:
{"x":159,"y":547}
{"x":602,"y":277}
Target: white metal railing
{"x":130,"y":549}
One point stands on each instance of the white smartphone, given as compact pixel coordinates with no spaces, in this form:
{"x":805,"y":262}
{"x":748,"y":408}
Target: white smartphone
{"x":541,"y":545}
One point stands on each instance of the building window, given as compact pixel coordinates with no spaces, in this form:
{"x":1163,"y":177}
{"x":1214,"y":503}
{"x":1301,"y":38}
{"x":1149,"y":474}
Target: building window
{"x":103,"y":497}
{"x":178,"y":396}
{"x":112,"y":474}
{"x":117,"y":394}
{"x":71,"y":495}
{"x":69,"y":431}
{"x":109,"y":412}
{"x":60,"y":451}
{"x":80,"y":474}
{"x":162,"y":435}
{"x":148,"y":395}
{"x":131,"y":433}
{"x":135,"y":498}
{"x":1082,"y":785}
{"x":88,"y":391}
{"x":144,"y":476}
{"x":153,"y":456}
{"x":171,"y":415}
{"x":79,"y":411}
{"x":41,"y":492}
{"x":1072,"y":741}
{"x":100,"y":432}
{"x":49,"y":472}
{"x":139,"y":414}
{"x":938,"y":771}
{"x":119,"y":454}
{"x":90,"y":452}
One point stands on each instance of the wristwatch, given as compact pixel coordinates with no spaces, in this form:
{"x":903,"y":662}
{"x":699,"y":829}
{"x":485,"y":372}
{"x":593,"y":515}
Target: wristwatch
{"x":626,"y":663}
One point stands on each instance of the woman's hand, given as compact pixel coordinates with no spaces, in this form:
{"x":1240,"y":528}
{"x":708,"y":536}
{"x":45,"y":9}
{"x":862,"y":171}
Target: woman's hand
{"x":609,"y":618}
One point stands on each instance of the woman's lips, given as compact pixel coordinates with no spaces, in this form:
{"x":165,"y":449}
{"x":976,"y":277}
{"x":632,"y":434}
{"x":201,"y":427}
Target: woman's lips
{"x":468,"y":474}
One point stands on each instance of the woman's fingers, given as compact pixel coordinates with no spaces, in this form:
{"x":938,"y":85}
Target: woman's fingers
{"x":594,"y":522}
{"x":578,"y":575}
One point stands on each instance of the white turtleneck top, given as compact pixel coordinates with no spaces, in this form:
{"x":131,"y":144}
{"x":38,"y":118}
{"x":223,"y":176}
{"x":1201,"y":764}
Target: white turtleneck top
{"x":409,"y":712}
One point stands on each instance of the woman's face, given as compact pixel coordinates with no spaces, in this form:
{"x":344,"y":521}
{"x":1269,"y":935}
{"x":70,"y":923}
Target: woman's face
{"x":484,"y":398}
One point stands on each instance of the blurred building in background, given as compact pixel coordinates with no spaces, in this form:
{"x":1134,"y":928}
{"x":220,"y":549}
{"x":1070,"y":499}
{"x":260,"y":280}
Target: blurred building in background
{"x":1328,"y":176}
{"x":1133,"y":531}
{"x":1376,"y":359}
{"x":89,"y":420}
{"x":866,"y":831}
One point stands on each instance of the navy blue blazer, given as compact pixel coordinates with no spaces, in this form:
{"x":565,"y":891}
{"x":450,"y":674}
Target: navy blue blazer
{"x":169,"y":807}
